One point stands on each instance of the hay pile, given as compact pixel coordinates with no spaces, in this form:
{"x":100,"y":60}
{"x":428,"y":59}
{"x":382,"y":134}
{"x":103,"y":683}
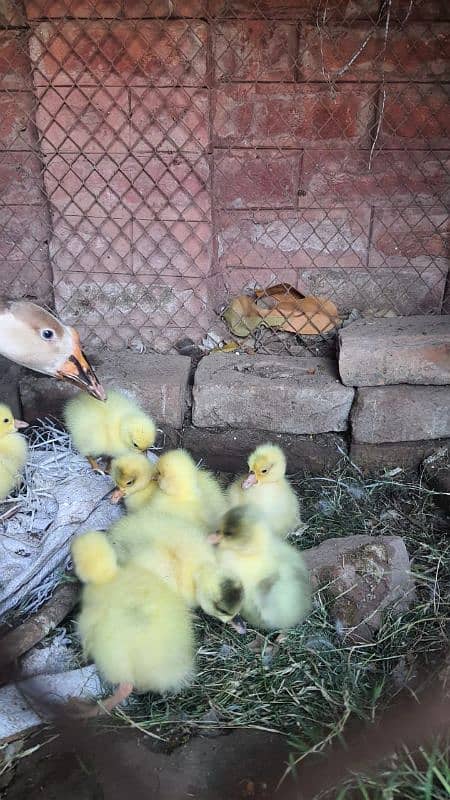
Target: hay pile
{"x":60,"y":496}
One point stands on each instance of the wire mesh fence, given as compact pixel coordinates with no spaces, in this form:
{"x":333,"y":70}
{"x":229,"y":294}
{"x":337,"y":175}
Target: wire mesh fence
{"x":182,"y":171}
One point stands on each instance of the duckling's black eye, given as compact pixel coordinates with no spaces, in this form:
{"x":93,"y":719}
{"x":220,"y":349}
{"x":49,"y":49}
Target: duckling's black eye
{"x":135,"y":445}
{"x":6,"y":419}
{"x":129,"y":483}
{"x":264,"y":470}
{"x":47,"y":334}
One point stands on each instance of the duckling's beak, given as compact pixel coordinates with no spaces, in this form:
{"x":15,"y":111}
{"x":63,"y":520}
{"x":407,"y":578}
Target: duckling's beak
{"x":238,"y":624}
{"x":18,"y":424}
{"x":117,"y":496}
{"x":78,"y":371}
{"x":250,"y":480}
{"x":214,"y":538}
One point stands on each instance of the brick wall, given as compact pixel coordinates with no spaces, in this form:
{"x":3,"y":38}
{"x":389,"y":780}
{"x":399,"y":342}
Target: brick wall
{"x":235,"y":142}
{"x":24,"y":220}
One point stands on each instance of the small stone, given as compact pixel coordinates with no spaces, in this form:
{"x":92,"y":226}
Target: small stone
{"x":365,"y":576}
{"x":402,"y":350}
{"x":278,"y":394}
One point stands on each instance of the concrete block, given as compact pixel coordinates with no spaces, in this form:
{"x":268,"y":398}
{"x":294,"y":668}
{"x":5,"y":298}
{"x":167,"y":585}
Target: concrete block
{"x":228,"y":450}
{"x":158,"y":383}
{"x":401,"y":413}
{"x":268,"y":393}
{"x":365,"y":575}
{"x":395,"y":350}
{"x":388,"y":455}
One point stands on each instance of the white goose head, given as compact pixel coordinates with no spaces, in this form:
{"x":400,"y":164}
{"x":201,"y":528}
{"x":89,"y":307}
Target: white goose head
{"x":34,"y":338}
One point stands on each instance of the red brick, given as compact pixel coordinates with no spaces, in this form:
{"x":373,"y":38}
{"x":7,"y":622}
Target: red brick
{"x":138,"y":9}
{"x":252,"y":50}
{"x":11,"y":13}
{"x":404,"y":10}
{"x":328,"y":53}
{"x":169,"y":119}
{"x":49,"y":9}
{"x":31,"y":279}
{"x":15,"y":68}
{"x":119,"y":53}
{"x":94,"y":120}
{"x":16,"y":121}
{"x":378,"y":289}
{"x":155,"y":309}
{"x":294,"y":240}
{"x":93,"y":185}
{"x":90,"y":245}
{"x":20,"y":179}
{"x":446,"y":299}
{"x":412,"y":236}
{"x":24,"y":232}
{"x":172,"y":248}
{"x":405,"y":291}
{"x":417,"y":52}
{"x":238,"y":280}
{"x":170,"y":186}
{"x":258,"y":179}
{"x":339,"y":177}
{"x":415,"y":116}
{"x":287,"y":115}
{"x":294,"y":9}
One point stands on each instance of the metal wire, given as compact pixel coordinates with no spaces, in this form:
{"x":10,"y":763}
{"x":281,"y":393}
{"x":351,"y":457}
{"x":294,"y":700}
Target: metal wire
{"x":161,"y":158}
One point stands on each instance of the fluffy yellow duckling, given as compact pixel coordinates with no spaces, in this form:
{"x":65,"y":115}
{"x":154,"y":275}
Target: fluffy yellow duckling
{"x":274,"y":576}
{"x":136,"y":629}
{"x":267,"y":488}
{"x":186,"y":491}
{"x":13,"y":451}
{"x":134,"y":476}
{"x":108,"y":429}
{"x":178,"y":552}
{"x":34,"y":338}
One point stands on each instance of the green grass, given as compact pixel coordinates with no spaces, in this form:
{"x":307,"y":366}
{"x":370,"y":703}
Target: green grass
{"x":308,"y":687}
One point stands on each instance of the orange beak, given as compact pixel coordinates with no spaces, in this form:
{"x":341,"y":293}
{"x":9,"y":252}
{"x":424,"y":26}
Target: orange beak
{"x":78,"y":371}
{"x":249,"y":481}
{"x":117,"y":496}
{"x":18,"y":424}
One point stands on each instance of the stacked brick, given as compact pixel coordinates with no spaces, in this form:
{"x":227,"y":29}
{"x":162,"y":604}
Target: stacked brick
{"x":24,"y":221}
{"x":388,"y":403}
{"x":193,"y":148}
{"x":401,"y":368}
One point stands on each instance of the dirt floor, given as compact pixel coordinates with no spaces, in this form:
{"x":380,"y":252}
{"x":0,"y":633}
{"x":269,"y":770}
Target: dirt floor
{"x":122,"y":763}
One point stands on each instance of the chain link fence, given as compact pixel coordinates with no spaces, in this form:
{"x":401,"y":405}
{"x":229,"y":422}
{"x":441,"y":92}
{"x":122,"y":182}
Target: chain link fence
{"x":183,"y":173}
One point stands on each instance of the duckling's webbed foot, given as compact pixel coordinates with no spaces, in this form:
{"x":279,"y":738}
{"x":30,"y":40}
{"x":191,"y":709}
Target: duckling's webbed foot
{"x":85,"y":710}
{"x":96,"y":466}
